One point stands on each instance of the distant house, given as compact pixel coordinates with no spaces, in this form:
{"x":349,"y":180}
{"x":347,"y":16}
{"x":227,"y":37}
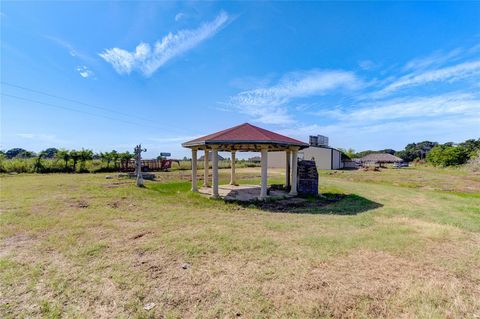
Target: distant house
{"x":380,"y":158}
{"x":210,"y":156}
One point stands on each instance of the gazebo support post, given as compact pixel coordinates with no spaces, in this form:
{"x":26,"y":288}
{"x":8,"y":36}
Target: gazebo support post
{"x":205,"y":168}
{"x":194,"y":170}
{"x":293,"y":190}
{"x":287,"y":170}
{"x":263,"y":191}
{"x":215,"y":172}
{"x":232,"y":165}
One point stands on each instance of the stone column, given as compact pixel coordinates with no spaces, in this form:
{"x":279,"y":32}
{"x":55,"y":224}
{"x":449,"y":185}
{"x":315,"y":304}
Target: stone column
{"x":205,"y":172}
{"x":263,"y":191}
{"x":293,"y":190}
{"x":232,"y":174}
{"x":215,"y":172}
{"x":287,"y":168}
{"x":194,"y":170}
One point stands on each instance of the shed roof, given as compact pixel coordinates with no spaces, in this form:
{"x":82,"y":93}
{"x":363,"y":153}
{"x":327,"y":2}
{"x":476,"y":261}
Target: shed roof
{"x":246,"y":137}
{"x":381,"y":158}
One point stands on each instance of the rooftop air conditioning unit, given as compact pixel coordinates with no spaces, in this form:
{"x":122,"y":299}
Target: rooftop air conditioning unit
{"x":318,"y":140}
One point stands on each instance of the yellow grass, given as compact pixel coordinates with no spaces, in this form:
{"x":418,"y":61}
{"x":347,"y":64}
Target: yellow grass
{"x":85,"y":246}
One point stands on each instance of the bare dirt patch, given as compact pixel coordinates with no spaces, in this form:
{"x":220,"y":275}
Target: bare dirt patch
{"x":81,"y":203}
{"x":14,"y":243}
{"x":137,"y":236}
{"x":122,"y":203}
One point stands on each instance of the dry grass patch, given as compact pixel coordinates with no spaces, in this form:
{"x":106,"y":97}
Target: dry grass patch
{"x":416,"y":254}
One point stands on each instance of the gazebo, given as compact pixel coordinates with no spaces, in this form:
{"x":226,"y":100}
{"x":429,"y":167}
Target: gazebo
{"x":245,"y":138}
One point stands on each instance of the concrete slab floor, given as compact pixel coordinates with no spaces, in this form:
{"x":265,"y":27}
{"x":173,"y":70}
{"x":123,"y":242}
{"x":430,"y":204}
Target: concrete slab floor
{"x":241,"y":193}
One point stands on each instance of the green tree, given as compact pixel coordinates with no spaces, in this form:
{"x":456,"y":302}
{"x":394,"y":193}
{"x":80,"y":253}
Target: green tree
{"x":63,"y":155}
{"x":75,"y":156}
{"x":106,"y":157}
{"x":38,"y":166}
{"x":50,"y":152}
{"x":26,"y":154}
{"x":13,"y":152}
{"x":85,"y":155}
{"x":472,"y":146}
{"x":350,"y":153}
{"x":115,"y":157}
{"x":125,"y":157}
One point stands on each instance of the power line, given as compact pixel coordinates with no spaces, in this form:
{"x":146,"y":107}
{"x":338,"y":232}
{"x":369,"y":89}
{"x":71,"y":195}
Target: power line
{"x":75,"y":110}
{"x":75,"y":101}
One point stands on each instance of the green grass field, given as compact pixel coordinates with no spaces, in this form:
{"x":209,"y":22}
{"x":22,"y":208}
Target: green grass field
{"x":403,"y":244}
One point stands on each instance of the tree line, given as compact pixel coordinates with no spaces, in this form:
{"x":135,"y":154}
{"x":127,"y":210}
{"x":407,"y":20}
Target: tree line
{"x":48,"y":160}
{"x":434,"y":153}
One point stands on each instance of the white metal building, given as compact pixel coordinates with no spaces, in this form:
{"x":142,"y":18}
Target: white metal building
{"x":325,"y":157}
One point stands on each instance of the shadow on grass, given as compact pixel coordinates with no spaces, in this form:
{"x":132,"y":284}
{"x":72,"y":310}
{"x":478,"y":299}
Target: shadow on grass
{"x":328,"y":203}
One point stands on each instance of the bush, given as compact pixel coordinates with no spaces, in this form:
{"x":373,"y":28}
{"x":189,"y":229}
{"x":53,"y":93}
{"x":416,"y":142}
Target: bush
{"x":447,"y":155}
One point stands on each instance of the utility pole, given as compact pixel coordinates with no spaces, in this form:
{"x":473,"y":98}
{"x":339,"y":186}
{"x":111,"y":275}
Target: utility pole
{"x":138,"y":164}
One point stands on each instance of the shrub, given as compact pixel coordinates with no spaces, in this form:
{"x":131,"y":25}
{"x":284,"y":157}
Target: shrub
{"x":447,"y":155}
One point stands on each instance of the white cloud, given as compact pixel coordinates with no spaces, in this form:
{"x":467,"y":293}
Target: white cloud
{"x":466,"y":104}
{"x":38,"y":137}
{"x":84,"y":71}
{"x":446,"y":74}
{"x":26,"y":135}
{"x":367,"y":65}
{"x":269,"y":105}
{"x":267,"y":114}
{"x":433,"y":60}
{"x":179,"y":16}
{"x":297,"y":85}
{"x":147,"y":60}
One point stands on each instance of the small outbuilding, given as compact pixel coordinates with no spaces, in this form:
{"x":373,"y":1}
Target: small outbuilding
{"x":325,"y":157}
{"x":245,"y":138}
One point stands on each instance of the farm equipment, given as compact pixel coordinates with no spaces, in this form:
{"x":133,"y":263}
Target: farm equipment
{"x":166,"y":164}
{"x":149,"y":165}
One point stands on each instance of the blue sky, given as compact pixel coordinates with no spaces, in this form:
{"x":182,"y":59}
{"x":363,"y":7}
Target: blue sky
{"x":108,"y":76}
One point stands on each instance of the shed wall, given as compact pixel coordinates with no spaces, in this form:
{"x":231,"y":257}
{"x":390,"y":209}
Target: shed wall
{"x":325,"y":158}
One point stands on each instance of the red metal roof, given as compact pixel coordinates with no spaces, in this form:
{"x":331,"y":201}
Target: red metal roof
{"x":245,"y":133}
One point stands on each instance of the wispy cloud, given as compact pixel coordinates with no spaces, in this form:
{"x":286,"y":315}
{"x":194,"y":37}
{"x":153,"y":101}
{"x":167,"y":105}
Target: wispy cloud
{"x":179,"y":16}
{"x":267,"y":114}
{"x":435,"y":59}
{"x":39,"y":137}
{"x":148,"y":60}
{"x":297,"y":85}
{"x":447,"y":74}
{"x":85,"y":72}
{"x":367,"y":64}
{"x":270,"y":104}
{"x":456,"y":103}
{"x":72,"y":51}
